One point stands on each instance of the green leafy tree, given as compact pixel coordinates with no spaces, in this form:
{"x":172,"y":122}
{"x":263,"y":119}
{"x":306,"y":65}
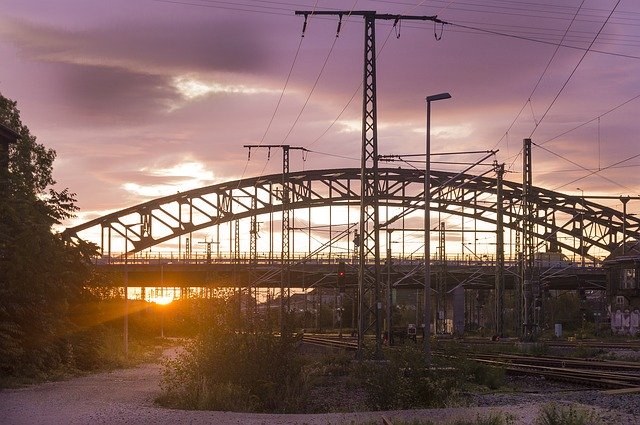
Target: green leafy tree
{"x":40,"y":275}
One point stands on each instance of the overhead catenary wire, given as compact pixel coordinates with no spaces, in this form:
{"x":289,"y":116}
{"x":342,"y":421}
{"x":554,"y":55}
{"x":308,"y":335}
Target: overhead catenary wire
{"x":573,"y":71}
{"x":564,"y":133}
{"x":359,"y":87}
{"x":324,"y":64}
{"x":272,"y":6}
{"x":593,"y":172}
{"x":578,"y":165}
{"x":537,"y":84}
{"x":275,"y":111}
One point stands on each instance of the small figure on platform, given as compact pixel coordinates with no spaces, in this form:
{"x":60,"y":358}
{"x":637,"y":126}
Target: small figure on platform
{"x":616,"y":322}
{"x":634,"y":322}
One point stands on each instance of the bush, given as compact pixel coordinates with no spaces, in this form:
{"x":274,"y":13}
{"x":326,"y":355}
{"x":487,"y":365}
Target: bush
{"x":404,"y":381}
{"x":489,"y":376}
{"x":491,"y":419}
{"x":227,"y":370}
{"x":553,"y":414}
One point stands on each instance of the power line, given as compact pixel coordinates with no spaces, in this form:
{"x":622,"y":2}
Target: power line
{"x":572,"y":73}
{"x":591,"y":120}
{"x":580,"y":166}
{"x":615,"y":165}
{"x":535,"y":87}
{"x":286,"y":83}
{"x":535,"y":40}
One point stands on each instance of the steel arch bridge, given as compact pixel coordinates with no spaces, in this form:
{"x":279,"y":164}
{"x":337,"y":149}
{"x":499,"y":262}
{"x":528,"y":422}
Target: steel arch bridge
{"x":570,"y":222}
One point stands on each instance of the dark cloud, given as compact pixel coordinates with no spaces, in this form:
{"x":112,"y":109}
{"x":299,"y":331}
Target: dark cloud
{"x":207,"y":45}
{"x":229,"y":45}
{"x":97,"y":81}
{"x":111,"y":95}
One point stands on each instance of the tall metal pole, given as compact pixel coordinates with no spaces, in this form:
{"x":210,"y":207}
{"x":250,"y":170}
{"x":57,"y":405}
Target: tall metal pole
{"x":427,"y":228}
{"x":285,"y":255}
{"x":529,"y":282}
{"x":369,"y":306}
{"x":369,"y":289}
{"x":499,"y":282}
{"x":389,"y":292}
{"x":126,"y":291}
{"x":427,"y":240}
{"x":624,"y":200}
{"x":582,"y":229}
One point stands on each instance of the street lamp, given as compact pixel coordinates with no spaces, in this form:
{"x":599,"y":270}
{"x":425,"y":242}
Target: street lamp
{"x":427,"y":225}
{"x":126,"y":291}
{"x":126,"y":285}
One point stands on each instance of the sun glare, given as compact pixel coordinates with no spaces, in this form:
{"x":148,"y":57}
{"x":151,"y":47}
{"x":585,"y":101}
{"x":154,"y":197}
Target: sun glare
{"x":161,"y":300}
{"x":192,"y":88}
{"x":178,"y":178}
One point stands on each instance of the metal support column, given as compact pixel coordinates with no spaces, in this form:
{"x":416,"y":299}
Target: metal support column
{"x":285,"y":254}
{"x":369,"y":276}
{"x":236,"y":261}
{"x":441,"y":308}
{"x":530,"y":287}
{"x":499,"y":282}
{"x":369,"y":305}
{"x":253,"y":255}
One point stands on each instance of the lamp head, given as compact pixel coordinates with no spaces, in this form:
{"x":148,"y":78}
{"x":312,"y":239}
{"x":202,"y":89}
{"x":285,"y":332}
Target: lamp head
{"x":440,"y":96}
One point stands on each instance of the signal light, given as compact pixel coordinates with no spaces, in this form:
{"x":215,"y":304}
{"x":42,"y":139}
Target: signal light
{"x":342,"y":277}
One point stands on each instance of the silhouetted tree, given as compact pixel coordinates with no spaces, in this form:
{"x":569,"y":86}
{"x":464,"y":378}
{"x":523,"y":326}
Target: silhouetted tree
{"x":40,"y":276}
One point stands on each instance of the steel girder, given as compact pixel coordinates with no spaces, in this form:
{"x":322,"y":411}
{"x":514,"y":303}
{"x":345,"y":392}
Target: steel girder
{"x":557,"y":215}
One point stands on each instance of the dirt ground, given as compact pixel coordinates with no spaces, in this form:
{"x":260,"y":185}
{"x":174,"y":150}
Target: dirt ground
{"x":126,"y":397}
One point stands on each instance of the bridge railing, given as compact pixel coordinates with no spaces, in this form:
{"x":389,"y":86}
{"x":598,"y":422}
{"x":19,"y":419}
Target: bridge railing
{"x":266,"y":258}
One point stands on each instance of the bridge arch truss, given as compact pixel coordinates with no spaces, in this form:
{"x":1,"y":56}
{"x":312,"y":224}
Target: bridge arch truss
{"x":576,"y":225}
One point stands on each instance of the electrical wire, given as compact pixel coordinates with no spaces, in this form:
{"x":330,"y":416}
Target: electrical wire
{"x":555,"y":52}
{"x":535,"y":40}
{"x":592,"y":172}
{"x":591,"y":120}
{"x":324,"y":64}
{"x":275,"y":111}
{"x":333,"y":155}
{"x":573,"y":72}
{"x":579,"y":165}
{"x":286,"y":83}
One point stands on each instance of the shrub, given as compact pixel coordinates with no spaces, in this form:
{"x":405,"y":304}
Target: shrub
{"x":489,"y":376}
{"x":553,"y":414}
{"x":228,"y":370}
{"x":404,"y":381}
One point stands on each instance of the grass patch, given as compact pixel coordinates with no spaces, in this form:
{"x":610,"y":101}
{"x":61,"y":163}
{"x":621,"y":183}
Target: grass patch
{"x":554,"y":414}
{"x":272,"y":375}
{"x":227,"y":370}
{"x":490,"y":419}
{"x":92,"y":351}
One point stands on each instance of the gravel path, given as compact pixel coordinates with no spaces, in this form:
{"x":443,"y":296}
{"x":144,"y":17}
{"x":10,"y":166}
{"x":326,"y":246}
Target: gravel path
{"x":126,"y":397}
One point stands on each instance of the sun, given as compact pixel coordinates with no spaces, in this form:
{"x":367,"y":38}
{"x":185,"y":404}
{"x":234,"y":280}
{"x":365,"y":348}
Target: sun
{"x":161,"y":300}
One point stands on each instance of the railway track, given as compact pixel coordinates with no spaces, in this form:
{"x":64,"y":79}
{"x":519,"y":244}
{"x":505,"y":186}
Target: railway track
{"x":346,"y":343}
{"x":594,"y":373}
{"x":609,"y":374}
{"x":591,"y":343}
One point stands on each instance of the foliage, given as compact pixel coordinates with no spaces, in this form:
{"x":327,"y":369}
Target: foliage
{"x":489,"y":376}
{"x":491,"y":419}
{"x":404,"y":381}
{"x":564,"y":308}
{"x":242,"y":371}
{"x":554,"y":414}
{"x":40,"y":275}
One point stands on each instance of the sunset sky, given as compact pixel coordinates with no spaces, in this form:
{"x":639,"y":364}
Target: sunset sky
{"x":143,"y":98}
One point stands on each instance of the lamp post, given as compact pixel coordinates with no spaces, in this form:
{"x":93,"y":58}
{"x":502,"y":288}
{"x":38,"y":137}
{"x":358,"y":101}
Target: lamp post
{"x":126,"y":291}
{"x":126,"y":285}
{"x":427,"y":225}
{"x":581,"y":229}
